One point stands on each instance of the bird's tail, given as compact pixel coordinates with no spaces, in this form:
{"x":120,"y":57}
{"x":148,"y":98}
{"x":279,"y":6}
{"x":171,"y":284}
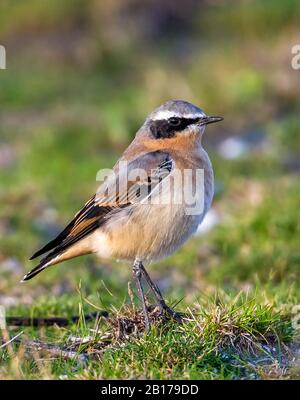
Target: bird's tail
{"x":44,"y":263}
{"x":39,"y":268}
{"x":59,"y":254}
{"x":56,"y":256}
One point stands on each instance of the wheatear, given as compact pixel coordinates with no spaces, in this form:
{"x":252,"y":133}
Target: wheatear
{"x":150,"y":204}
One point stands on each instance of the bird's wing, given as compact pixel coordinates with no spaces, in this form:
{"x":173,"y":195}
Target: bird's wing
{"x":122,"y":189}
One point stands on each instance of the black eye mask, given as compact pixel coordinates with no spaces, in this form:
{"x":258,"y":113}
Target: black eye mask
{"x":167,"y":128}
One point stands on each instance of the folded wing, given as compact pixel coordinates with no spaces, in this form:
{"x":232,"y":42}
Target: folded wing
{"x":128,"y":185}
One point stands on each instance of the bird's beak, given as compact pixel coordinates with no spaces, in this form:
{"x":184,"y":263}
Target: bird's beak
{"x":209,"y":120}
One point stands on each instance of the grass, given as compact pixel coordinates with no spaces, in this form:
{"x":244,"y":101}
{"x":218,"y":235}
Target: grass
{"x":74,"y":110}
{"x":222,"y":338}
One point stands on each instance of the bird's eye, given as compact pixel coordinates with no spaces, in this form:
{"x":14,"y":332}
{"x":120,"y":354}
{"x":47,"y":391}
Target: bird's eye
{"x":174,"y":121}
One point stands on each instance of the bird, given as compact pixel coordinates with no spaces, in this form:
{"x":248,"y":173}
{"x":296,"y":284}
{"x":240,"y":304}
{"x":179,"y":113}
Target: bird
{"x":145,"y":209}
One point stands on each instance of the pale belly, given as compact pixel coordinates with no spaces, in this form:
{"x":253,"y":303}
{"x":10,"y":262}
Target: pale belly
{"x":148,"y":232}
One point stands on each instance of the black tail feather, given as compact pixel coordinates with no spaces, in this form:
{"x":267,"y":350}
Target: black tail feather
{"x":39,"y":268}
{"x":44,"y":263}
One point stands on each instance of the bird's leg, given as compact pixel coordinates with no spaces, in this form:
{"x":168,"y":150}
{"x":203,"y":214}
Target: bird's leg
{"x":136,"y":270}
{"x":157,"y":293}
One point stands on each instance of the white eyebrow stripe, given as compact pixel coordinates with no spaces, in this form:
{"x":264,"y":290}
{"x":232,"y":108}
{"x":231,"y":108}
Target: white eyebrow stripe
{"x":166,"y":114}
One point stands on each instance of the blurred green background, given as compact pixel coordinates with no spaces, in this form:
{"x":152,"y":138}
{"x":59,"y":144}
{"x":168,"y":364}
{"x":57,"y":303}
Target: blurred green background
{"x":81,"y":77}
